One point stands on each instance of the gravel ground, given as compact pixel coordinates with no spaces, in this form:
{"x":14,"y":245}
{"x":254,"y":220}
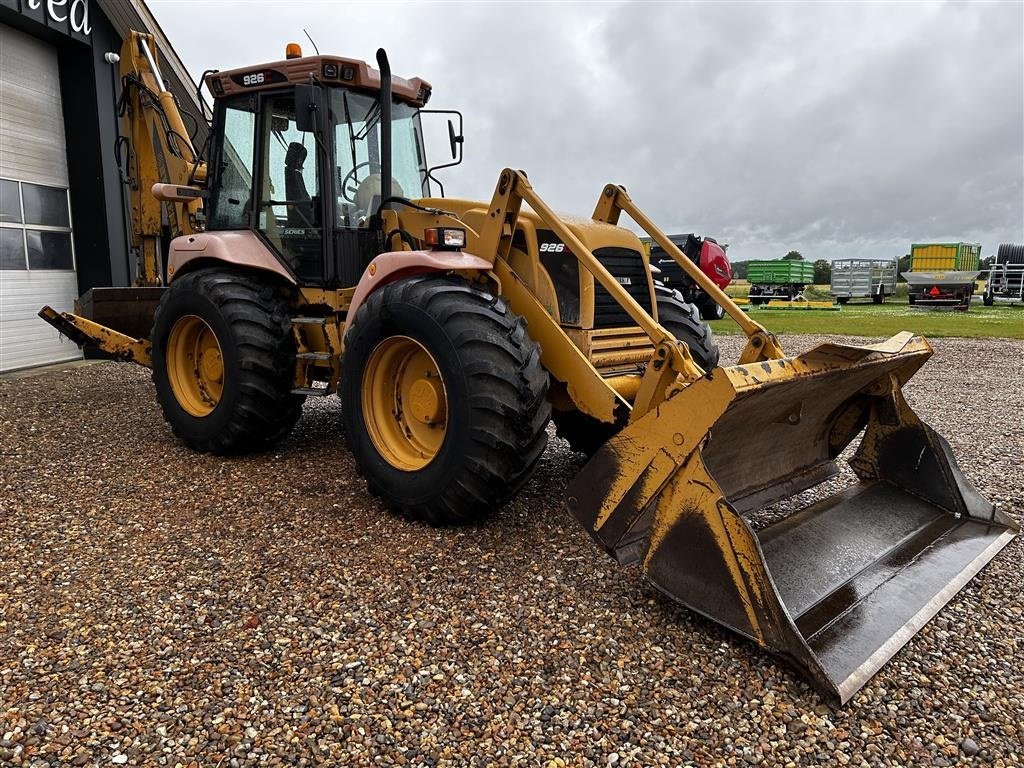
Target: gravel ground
{"x":159,"y":607}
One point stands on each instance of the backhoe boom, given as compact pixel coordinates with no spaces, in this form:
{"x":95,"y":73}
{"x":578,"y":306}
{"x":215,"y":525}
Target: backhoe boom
{"x":157,"y":149}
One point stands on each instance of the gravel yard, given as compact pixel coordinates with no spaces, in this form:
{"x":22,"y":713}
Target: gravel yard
{"x":159,"y":607}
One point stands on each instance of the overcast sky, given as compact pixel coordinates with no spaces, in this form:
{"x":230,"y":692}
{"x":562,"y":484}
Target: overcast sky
{"x":839,"y":130}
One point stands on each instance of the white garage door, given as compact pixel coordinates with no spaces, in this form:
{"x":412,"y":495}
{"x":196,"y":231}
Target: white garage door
{"x":37,"y":260}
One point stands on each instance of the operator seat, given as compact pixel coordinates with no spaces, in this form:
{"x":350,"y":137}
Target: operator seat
{"x":300,"y":208}
{"x":368,"y":193}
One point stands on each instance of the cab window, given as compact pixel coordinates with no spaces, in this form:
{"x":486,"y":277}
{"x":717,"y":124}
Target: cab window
{"x":232,"y":200}
{"x":289,"y":208}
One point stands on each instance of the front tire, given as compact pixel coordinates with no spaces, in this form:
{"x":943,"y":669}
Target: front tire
{"x":224,"y":362}
{"x":445,"y":399}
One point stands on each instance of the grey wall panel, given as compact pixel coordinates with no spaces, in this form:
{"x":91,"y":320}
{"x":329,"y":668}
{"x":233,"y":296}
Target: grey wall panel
{"x":31,"y":122}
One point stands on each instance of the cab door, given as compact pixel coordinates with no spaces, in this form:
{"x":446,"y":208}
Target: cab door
{"x":290,"y":205}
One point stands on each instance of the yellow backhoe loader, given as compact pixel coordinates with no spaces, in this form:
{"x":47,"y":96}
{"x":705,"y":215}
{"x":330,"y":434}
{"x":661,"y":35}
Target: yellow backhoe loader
{"x":309,"y":258}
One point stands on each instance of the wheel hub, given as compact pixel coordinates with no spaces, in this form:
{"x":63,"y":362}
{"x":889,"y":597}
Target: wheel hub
{"x":195,"y":365}
{"x":211,"y":365}
{"x":405,"y":405}
{"x":426,"y":400}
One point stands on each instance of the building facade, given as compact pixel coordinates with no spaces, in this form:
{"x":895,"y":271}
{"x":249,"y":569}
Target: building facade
{"x":63,"y":208}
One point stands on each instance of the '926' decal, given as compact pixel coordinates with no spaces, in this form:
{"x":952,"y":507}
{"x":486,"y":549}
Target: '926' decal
{"x":552,"y":247}
{"x":260,"y":77}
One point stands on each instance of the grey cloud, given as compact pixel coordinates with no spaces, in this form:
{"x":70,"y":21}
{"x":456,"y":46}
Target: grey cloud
{"x":839,"y":130}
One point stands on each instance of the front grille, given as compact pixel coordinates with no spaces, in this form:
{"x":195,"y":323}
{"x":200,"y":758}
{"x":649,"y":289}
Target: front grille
{"x":625,"y":265}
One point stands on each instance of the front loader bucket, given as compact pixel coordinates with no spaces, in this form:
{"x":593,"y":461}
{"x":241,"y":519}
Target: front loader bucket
{"x":836,"y":588}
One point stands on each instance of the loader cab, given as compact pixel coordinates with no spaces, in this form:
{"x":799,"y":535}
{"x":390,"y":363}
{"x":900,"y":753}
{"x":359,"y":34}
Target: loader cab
{"x":299,"y":160}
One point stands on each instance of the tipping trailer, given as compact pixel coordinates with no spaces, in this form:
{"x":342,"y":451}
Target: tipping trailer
{"x":863,"y":279}
{"x":778,"y":279}
{"x":311,"y":261}
{"x":1006,"y":276}
{"x":943,"y":274}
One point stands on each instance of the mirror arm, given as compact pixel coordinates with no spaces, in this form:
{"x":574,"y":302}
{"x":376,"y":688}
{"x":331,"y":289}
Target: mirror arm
{"x":429,"y":174}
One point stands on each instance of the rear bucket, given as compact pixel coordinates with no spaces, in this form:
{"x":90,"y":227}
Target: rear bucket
{"x":836,"y":588}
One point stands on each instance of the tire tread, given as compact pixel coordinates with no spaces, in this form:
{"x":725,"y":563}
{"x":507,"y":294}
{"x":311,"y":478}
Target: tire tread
{"x":258,"y":317}
{"x":507,"y":394}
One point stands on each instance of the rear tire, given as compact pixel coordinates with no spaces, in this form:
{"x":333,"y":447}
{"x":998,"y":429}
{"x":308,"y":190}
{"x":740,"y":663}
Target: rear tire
{"x":224,"y":362}
{"x":492,"y":386}
{"x":843,"y":299}
{"x":585,"y":433}
{"x":987,"y":299}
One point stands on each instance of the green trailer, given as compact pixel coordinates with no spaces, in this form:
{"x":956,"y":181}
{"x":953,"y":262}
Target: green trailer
{"x":778,"y":279}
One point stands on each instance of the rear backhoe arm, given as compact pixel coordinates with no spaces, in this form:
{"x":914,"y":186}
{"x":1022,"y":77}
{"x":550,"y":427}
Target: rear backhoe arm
{"x":158,"y":153}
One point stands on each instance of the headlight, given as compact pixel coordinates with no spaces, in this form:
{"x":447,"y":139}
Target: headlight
{"x":445,"y":237}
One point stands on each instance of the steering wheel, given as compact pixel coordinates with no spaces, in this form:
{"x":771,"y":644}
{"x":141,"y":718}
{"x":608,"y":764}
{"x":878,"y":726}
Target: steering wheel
{"x":350,"y":185}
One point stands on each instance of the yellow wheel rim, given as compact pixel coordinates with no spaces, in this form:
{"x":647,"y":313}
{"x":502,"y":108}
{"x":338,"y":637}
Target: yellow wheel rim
{"x":195,"y":366}
{"x":405,"y":405}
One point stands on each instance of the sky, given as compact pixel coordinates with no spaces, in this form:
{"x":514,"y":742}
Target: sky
{"x":840,"y":130}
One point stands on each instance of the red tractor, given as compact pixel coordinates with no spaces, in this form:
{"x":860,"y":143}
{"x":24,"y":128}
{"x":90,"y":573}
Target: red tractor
{"x":707,"y":254}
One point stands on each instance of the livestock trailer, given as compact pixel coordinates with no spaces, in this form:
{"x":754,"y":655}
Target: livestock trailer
{"x":863,"y":279}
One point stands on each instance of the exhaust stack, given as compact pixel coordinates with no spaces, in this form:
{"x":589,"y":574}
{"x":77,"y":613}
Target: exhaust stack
{"x":385,"y":127}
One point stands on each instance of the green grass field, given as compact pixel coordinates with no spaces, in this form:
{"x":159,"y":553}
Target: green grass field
{"x":999,"y":321}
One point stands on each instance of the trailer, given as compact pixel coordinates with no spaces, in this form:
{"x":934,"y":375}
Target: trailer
{"x":863,"y":279}
{"x":1006,"y":276}
{"x":778,"y":279}
{"x":943,"y":274}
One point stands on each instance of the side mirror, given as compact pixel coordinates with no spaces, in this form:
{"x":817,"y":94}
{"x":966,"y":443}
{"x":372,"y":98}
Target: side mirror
{"x":307,"y":108}
{"x":455,"y":143}
{"x":454,"y":140}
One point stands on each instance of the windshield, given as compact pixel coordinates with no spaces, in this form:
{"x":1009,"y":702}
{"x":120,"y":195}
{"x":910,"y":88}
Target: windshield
{"x":355,"y":118}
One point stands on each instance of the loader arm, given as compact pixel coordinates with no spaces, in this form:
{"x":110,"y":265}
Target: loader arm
{"x":154,"y":149}
{"x":671,"y":366}
{"x":671,"y":361}
{"x":761,"y":345}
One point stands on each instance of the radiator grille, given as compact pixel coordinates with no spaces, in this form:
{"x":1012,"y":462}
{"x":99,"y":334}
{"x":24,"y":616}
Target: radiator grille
{"x":627,"y":266}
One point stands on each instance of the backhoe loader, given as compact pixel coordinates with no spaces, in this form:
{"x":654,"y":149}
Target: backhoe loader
{"x":310,"y":259}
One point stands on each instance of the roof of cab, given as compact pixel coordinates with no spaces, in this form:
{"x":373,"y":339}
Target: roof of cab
{"x":331,"y":70}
